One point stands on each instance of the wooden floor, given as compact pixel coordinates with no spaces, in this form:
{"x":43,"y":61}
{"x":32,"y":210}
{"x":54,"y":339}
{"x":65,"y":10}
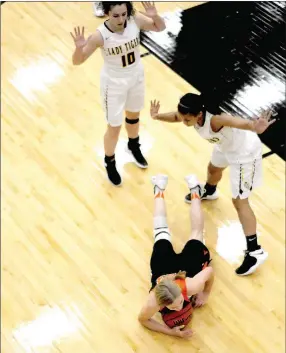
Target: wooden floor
{"x":75,"y":250}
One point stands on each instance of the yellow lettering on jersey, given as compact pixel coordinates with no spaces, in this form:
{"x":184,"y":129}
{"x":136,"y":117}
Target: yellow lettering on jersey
{"x":214,"y":140}
{"x":117,"y":49}
{"x":114,"y":51}
{"x":132,"y":44}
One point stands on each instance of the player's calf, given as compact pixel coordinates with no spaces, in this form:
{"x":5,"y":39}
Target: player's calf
{"x":254,"y":255}
{"x":161,"y":230}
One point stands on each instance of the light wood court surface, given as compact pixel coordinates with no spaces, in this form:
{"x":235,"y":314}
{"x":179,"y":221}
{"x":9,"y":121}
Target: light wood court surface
{"x":75,"y":250}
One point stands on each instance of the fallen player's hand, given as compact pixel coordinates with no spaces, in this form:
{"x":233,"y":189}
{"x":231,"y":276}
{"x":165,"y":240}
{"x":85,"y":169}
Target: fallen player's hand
{"x":201,"y":299}
{"x":183,"y":333}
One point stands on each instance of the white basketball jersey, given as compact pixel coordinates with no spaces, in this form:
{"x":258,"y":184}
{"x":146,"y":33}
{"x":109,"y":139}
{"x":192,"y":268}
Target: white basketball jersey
{"x":233,"y":142}
{"x":121,"y":51}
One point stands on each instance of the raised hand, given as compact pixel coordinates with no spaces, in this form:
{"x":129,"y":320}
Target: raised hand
{"x":150,"y":9}
{"x":263,"y":122}
{"x":78,"y":37}
{"x":154,"y":108}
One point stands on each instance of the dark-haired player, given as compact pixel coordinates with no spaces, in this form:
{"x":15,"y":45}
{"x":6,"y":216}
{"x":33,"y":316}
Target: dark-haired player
{"x":236,"y":145}
{"x":122,"y":75}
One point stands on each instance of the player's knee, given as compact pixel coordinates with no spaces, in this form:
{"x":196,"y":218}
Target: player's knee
{"x":161,"y":230}
{"x":132,"y":115}
{"x":163,"y":233}
{"x":197,"y":235}
{"x":160,"y":222}
{"x":212,"y":170}
{"x":239,"y":203}
{"x":113,"y":131}
{"x":132,"y":121}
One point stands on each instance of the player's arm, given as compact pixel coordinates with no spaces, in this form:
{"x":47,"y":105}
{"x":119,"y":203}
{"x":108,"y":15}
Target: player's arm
{"x":155,"y":24}
{"x":201,"y":283}
{"x":150,"y":21}
{"x":219,"y":121}
{"x":82,"y":53}
{"x":149,"y":309}
{"x":258,"y":125}
{"x":171,"y":117}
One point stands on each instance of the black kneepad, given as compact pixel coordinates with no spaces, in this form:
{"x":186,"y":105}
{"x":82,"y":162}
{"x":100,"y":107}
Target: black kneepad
{"x":132,"y":121}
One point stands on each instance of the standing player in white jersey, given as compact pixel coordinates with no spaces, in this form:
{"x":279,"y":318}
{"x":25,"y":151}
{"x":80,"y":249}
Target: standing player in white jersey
{"x":236,"y":145}
{"x":122,"y":75}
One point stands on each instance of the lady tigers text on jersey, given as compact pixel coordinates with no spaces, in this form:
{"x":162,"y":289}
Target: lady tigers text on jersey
{"x":123,"y":48}
{"x":121,"y":51}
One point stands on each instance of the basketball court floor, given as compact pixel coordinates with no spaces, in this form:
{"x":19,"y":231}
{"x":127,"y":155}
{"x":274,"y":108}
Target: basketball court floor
{"x":75,"y":250}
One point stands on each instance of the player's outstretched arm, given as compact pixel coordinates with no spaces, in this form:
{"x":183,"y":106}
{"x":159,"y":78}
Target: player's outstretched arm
{"x":171,"y":117}
{"x":149,"y":20}
{"x":259,"y":125}
{"x":84,"y":47}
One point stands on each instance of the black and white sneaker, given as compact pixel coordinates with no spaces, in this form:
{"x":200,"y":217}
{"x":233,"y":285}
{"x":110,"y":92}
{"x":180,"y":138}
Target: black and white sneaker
{"x":134,"y":149}
{"x":252,"y":260}
{"x":112,"y":173}
{"x":204,"y":196}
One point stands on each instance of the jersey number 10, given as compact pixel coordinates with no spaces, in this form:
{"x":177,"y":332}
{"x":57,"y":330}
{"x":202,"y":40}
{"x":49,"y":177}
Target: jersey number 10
{"x":128,"y":59}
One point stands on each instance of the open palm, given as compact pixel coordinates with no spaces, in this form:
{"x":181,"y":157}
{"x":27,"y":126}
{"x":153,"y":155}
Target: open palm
{"x":154,"y":108}
{"x":150,"y":9}
{"x":78,"y":37}
{"x":263,"y":122}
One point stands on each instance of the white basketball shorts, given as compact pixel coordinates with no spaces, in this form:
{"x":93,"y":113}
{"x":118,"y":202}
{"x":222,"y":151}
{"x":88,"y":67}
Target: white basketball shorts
{"x":119,"y":94}
{"x":244,"y":177}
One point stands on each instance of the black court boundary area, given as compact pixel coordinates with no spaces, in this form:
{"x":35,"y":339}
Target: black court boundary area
{"x":161,"y":54}
{"x":267,"y":154}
